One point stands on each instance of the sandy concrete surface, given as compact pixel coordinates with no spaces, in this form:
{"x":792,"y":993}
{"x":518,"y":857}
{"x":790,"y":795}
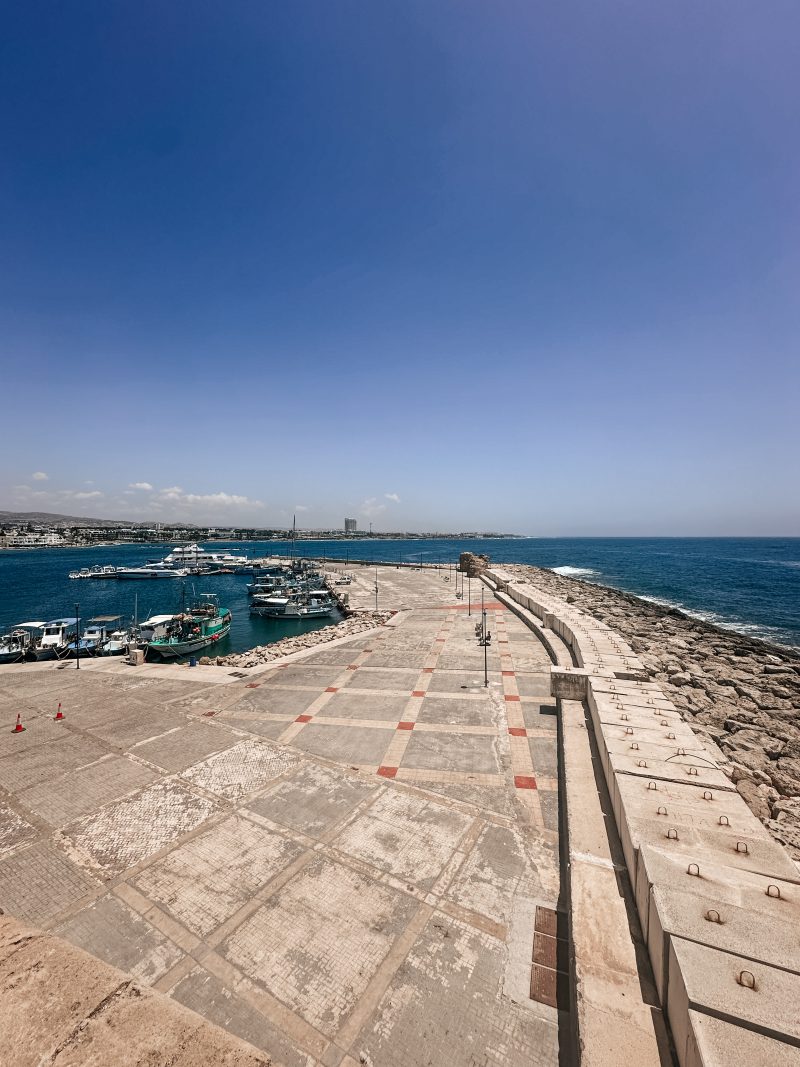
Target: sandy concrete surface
{"x":348,"y":857}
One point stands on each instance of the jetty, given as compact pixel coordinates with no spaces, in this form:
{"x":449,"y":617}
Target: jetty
{"x":473,"y":829}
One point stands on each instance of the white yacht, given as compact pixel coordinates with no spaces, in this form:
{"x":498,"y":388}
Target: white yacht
{"x":20,"y":643}
{"x":196,"y":556}
{"x":151,"y":570}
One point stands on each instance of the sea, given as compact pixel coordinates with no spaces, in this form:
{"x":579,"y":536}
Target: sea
{"x":750,"y":585}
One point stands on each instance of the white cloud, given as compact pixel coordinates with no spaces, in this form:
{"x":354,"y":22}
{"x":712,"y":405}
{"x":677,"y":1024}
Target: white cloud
{"x":302,"y":507}
{"x":393,"y":497}
{"x":39,"y":476}
{"x":140,"y":485}
{"x":370,"y":507}
{"x":88,"y":495}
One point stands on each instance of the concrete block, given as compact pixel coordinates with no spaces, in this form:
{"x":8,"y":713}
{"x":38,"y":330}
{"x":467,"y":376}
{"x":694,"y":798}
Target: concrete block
{"x":758,"y":935}
{"x":709,"y":878}
{"x":714,"y":1042}
{"x":568,"y":683}
{"x":136,"y":657}
{"x":707,"y":980}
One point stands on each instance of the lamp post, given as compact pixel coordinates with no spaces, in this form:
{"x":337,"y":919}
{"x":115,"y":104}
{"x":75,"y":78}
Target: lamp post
{"x":376,"y":588}
{"x":78,"y":637}
{"x":485,"y":640}
{"x":469,"y":593}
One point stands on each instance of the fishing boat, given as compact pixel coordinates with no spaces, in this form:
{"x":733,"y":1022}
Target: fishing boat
{"x":312,"y":605}
{"x":20,"y":642}
{"x":202,"y":625}
{"x":118,"y":643}
{"x":91,"y":642}
{"x":56,"y":635}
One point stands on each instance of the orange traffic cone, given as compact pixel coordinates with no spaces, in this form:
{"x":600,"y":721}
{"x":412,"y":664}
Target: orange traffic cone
{"x":59,"y":714}
{"x":19,"y":727}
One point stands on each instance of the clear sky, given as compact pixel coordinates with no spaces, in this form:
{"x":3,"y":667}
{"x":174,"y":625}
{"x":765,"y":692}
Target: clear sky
{"x":438,"y":264}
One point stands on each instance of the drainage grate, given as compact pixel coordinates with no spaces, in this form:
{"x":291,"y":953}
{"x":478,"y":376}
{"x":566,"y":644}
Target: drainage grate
{"x":549,"y":978}
{"x":237,"y":674}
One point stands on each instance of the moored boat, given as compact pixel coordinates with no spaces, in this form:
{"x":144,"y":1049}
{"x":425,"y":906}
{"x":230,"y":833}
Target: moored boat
{"x":202,"y":625}
{"x":153,"y":570}
{"x":56,"y":635}
{"x":20,"y":642}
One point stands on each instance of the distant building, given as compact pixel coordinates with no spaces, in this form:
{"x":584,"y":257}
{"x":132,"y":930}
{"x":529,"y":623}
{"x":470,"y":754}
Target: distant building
{"x":350,"y":526}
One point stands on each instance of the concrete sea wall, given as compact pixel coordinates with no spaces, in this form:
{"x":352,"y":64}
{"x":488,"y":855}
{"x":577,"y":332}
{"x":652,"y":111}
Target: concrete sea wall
{"x":717,"y":896}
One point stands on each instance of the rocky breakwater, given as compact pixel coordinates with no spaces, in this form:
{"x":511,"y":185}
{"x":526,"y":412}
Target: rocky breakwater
{"x":357,"y":622}
{"x":742,"y":695}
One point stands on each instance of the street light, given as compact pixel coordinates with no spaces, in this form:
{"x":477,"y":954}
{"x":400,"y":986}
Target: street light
{"x":485,"y":640}
{"x":469,"y":592}
{"x":376,"y":588}
{"x":78,"y":637}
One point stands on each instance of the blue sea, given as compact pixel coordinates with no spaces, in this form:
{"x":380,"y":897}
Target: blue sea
{"x":751,"y":585}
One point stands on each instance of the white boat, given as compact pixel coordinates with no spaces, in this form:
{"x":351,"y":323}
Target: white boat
{"x":56,"y":636}
{"x":196,"y":556}
{"x":117,"y":644}
{"x":154,"y":627}
{"x":106,"y":571}
{"x":94,"y":637}
{"x":314,"y":605}
{"x":20,"y":642}
{"x":152,"y":570}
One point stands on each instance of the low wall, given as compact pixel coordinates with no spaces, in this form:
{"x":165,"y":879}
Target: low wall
{"x":717,"y":897}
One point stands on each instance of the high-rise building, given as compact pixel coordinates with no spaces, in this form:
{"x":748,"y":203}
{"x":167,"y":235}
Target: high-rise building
{"x":350,"y":525}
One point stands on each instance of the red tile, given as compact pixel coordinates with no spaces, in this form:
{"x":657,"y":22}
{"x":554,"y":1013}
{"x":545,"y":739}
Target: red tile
{"x":418,"y":693}
{"x":524,"y":781}
{"x":303,"y":718}
{"x":353,"y":667}
{"x":427,"y":670}
{"x":252,"y":685}
{"x":511,"y":698}
{"x":331,"y":689}
{"x":208,"y":714}
{"x":517,"y":731}
{"x":387,"y":772}
{"x":405,"y":726}
{"x":509,"y":674}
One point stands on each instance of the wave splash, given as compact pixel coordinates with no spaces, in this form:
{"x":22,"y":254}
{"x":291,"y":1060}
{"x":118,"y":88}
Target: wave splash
{"x":573,"y":572}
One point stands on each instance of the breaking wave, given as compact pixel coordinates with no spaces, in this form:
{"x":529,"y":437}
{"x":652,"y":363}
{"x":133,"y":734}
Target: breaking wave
{"x":573,"y":572}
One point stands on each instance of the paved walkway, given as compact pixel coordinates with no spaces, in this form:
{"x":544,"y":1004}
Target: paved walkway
{"x":342,"y":859}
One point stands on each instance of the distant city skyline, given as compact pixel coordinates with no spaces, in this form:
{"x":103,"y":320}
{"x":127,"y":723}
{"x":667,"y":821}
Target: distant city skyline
{"x":439,"y":265}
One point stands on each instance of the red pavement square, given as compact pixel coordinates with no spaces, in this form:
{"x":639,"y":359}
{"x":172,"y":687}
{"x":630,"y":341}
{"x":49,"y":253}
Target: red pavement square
{"x":509,"y":674}
{"x":511,"y":697}
{"x":405,"y":726}
{"x":331,"y":689}
{"x":418,"y":693}
{"x":517,"y":731}
{"x":387,"y":772}
{"x":427,"y":670}
{"x":252,"y":685}
{"x":352,"y":667}
{"x":524,"y":781}
{"x":303,"y":718}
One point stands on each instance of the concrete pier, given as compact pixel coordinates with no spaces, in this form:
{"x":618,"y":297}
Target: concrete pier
{"x":350,"y":857}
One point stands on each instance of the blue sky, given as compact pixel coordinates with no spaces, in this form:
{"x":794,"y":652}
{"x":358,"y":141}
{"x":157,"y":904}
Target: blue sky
{"x":440,"y":265}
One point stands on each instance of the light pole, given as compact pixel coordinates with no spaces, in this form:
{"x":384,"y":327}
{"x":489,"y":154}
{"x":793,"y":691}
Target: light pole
{"x":78,"y":637}
{"x":469,"y":593}
{"x":376,"y":588}
{"x":485,"y":640}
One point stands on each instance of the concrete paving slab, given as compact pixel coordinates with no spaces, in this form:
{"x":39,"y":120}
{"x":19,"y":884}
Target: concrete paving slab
{"x":39,"y":881}
{"x":353,"y":746}
{"x":453,"y":752}
{"x":240,"y":770}
{"x":312,"y":800}
{"x":14,"y":830}
{"x":405,"y":835}
{"x":125,"y":833}
{"x":62,"y":800}
{"x":203,"y":882}
{"x":348,"y":705}
{"x":318,"y":943}
{"x":185,"y":745}
{"x":114,"y":933}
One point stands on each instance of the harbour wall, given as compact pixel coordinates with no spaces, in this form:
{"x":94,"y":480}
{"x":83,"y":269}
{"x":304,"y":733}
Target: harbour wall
{"x":717,"y":897}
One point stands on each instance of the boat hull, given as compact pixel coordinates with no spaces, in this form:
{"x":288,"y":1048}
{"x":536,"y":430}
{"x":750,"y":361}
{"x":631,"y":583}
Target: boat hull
{"x":176,"y":649}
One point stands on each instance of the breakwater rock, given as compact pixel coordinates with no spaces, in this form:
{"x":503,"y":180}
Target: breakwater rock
{"x":741,"y":694}
{"x":256,"y":657}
